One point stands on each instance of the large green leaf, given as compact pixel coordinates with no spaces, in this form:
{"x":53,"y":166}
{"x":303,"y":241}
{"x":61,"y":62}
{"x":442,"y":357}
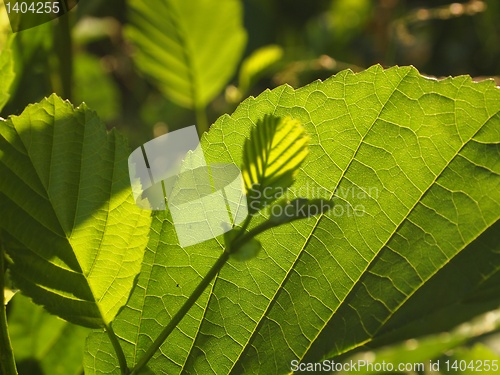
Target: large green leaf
{"x":189,"y":48}
{"x":413,"y":165}
{"x":75,"y":236}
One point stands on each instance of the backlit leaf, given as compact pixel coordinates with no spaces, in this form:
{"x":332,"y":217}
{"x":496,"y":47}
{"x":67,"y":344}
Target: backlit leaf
{"x":412,"y":165}
{"x":75,"y":235}
{"x":271,"y":158}
{"x":255,"y":65}
{"x":189,"y":48}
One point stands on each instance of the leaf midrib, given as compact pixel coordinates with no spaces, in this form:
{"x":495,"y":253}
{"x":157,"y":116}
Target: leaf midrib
{"x":180,"y":33}
{"x":299,"y":254}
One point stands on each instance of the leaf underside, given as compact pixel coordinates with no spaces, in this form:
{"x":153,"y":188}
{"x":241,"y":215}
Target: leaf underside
{"x":189,"y":48}
{"x":271,"y":159}
{"x":73,"y":232}
{"x":413,"y":167}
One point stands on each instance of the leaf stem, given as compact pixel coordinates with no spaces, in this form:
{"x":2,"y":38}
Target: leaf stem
{"x":118,"y":350}
{"x":201,"y":120}
{"x":182,"y":311}
{"x":7,"y":360}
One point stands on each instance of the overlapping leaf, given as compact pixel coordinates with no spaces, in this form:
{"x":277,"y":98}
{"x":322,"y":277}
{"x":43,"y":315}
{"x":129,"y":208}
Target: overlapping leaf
{"x":190,"y":48}
{"x":413,"y":165}
{"x":463,"y":288}
{"x":75,"y":235}
{"x":271,"y":159}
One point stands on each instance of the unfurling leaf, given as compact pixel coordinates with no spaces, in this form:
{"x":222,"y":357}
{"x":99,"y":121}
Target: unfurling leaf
{"x":271,"y":158}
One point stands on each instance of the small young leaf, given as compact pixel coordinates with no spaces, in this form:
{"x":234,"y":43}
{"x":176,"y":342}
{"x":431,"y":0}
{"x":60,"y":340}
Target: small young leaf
{"x":257,"y":64}
{"x":271,"y":158}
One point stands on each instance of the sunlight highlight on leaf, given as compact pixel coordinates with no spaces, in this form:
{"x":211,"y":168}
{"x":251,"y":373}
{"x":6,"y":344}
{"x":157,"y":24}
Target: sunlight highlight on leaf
{"x":271,"y":159}
{"x":72,"y":230}
{"x":412,"y":167}
{"x":190,"y":49}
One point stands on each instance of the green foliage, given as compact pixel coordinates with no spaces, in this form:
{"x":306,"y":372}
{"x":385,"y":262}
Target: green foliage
{"x":395,"y":178}
{"x":42,"y":340}
{"x":412,"y":166}
{"x":473,"y":277}
{"x":94,"y":87}
{"x":189,"y":48}
{"x":76,"y":238}
{"x":257,"y":64}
